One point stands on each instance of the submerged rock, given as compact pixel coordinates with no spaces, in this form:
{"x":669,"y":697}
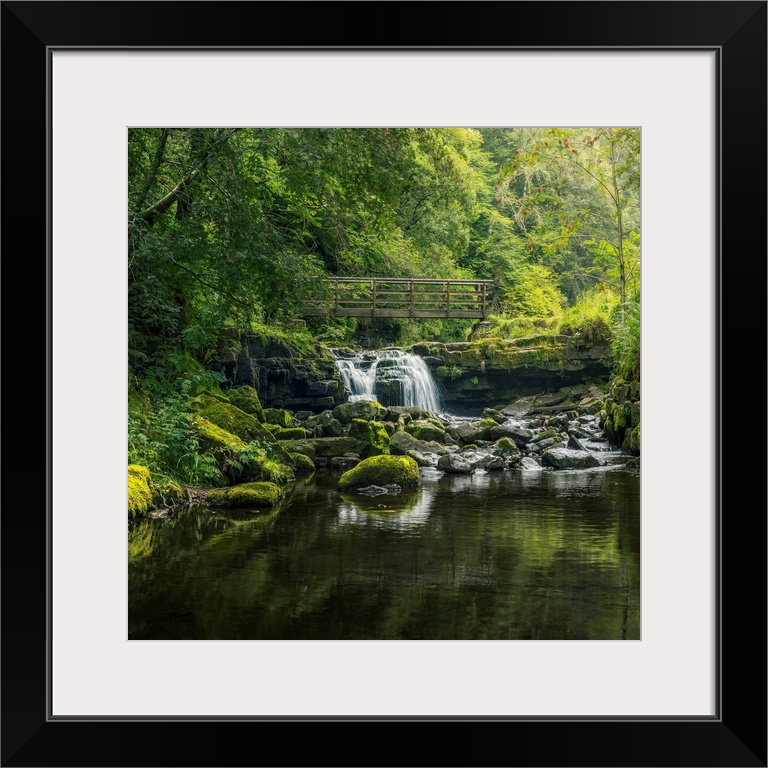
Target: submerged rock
{"x":378,"y":490}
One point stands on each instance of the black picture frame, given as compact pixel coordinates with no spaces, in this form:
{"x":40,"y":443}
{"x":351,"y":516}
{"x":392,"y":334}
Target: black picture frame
{"x":736,"y":736}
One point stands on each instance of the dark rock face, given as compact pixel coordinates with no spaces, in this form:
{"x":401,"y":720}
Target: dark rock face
{"x":475,"y":374}
{"x":283,"y":377}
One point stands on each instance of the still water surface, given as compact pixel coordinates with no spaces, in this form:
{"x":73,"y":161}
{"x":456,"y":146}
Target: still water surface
{"x":509,"y":555}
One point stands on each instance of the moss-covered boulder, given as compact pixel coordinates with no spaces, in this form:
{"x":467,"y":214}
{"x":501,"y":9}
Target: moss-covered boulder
{"x":246,"y":398}
{"x":401,"y":443}
{"x":507,"y":447}
{"x":328,"y":447}
{"x":303,"y":447}
{"x":325,"y":425}
{"x":239,"y":423}
{"x":140,"y":492}
{"x":383,"y":471}
{"x":426,"y":429}
{"x":302,"y":464}
{"x":359,"y":409}
{"x":244,"y":426}
{"x":472,"y":431}
{"x":224,"y":447}
{"x":278,"y":416}
{"x":261,"y":494}
{"x":205,"y":400}
{"x":290,"y":433}
{"x":372,"y":436}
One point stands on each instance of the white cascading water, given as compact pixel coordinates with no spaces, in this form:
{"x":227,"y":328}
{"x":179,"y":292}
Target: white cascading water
{"x":390,"y":375}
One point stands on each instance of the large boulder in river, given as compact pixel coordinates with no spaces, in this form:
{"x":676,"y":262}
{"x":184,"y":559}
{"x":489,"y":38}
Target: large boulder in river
{"x":472,"y":431}
{"x":567,"y":458}
{"x":246,"y":495}
{"x":454,"y":463}
{"x":359,"y":409}
{"x":382,"y":471}
{"x":512,"y":429}
{"x":401,"y":443}
{"x":426,"y":429}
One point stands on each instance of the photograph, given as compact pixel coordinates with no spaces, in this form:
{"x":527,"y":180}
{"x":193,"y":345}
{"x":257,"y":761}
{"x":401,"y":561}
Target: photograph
{"x":384,"y":383}
{"x":366,"y":297}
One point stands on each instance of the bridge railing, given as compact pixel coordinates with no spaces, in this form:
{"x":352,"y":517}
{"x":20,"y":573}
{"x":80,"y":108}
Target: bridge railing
{"x":400,"y":297}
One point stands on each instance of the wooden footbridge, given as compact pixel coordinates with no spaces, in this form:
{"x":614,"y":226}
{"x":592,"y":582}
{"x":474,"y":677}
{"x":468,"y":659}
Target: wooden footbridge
{"x":401,"y":297}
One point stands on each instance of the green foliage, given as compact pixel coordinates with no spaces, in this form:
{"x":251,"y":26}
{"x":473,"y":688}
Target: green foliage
{"x":451,"y":372}
{"x":532,"y":292}
{"x":164,"y":440}
{"x":625,"y":345}
{"x":590,"y":317}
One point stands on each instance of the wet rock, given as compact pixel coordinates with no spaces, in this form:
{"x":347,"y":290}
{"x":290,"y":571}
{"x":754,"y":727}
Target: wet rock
{"x":567,"y":458}
{"x":528,"y":462}
{"x":454,"y":463}
{"x":519,"y":434}
{"x":344,"y":462}
{"x":401,"y":443}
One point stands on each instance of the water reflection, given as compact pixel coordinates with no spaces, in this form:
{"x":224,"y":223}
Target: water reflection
{"x":506,"y":555}
{"x":402,"y":512}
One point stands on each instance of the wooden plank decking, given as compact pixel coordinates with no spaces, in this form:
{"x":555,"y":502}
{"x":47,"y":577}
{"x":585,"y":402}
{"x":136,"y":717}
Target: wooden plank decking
{"x":401,"y":297}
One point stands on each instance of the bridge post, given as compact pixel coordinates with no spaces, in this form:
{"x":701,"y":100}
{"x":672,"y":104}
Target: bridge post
{"x":336,"y":297}
{"x":373,"y":291}
{"x":411,"y":298}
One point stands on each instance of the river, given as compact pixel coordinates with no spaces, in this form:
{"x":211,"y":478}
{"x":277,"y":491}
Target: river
{"x":507,"y":555}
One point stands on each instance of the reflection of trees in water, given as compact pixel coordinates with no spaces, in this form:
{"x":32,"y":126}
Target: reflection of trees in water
{"x":490,"y":556}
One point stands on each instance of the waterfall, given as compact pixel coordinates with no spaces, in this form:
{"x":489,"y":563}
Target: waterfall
{"x":390,"y":376}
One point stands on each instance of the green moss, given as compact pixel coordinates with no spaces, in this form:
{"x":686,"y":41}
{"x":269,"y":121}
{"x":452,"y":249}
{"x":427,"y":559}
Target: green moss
{"x":202,"y":401}
{"x":620,"y":417}
{"x":291,"y":433}
{"x":372,"y":435}
{"x":246,"y":398}
{"x":213,"y":438}
{"x":451,"y":372}
{"x":507,"y":446}
{"x":426,"y":429}
{"x":302,"y":463}
{"x":328,"y":447}
{"x":359,"y":409}
{"x":246,"y":495}
{"x":382,"y":470}
{"x":278,"y":416}
{"x":303,"y":447}
{"x":232,"y":419}
{"x":274,"y":472}
{"x":634,"y":441}
{"x":273,"y":429}
{"x":139,"y":490}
